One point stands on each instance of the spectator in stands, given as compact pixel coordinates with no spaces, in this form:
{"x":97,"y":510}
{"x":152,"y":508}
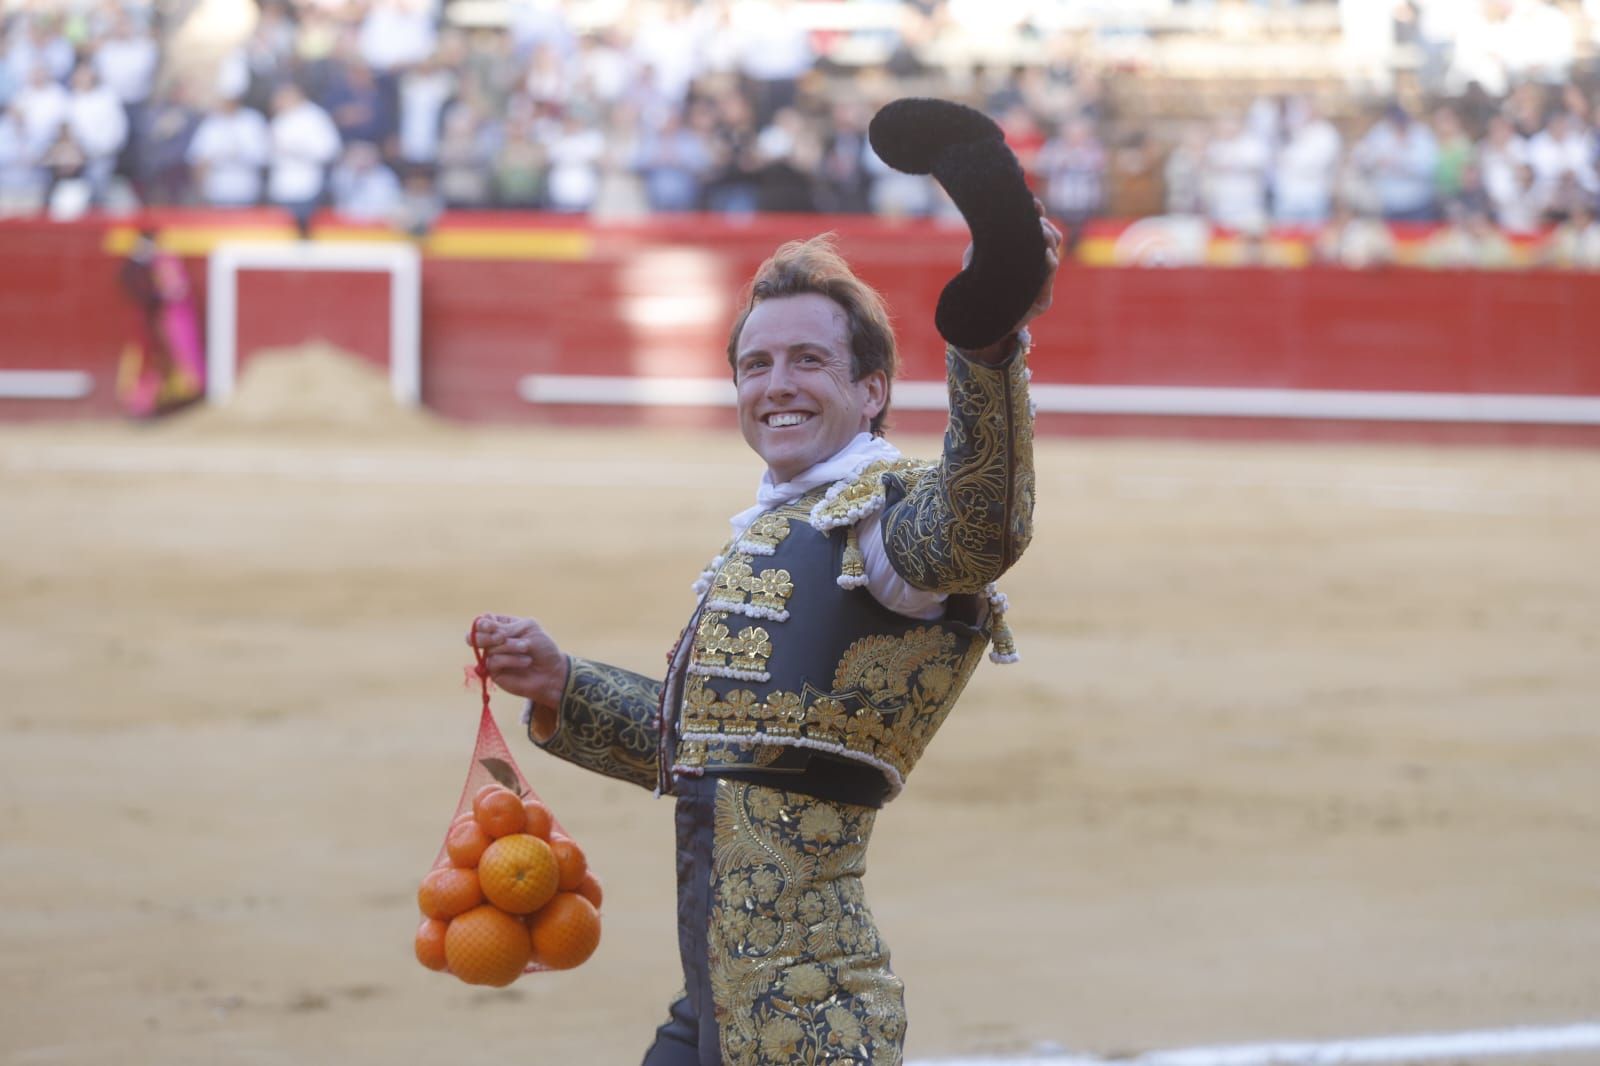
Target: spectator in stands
{"x":1456,"y":154}
{"x":774,"y":54}
{"x":304,"y":143}
{"x":263,"y":63}
{"x":168,"y":128}
{"x":1235,"y":177}
{"x":1353,"y":240}
{"x":424,"y":90}
{"x":37,"y":44}
{"x":1400,"y":157}
{"x":99,"y":126}
{"x":733,"y":187}
{"x":364,"y":189}
{"x":844,"y":186}
{"x":230,"y":149}
{"x":43,"y":106}
{"x":69,"y":193}
{"x":1522,"y":210}
{"x":348,"y":90}
{"x":1499,"y":155}
{"x":1469,"y":240}
{"x":1072,"y":165}
{"x":396,"y":34}
{"x":1575,"y":243}
{"x":673,"y":161}
{"x":1564,"y":148}
{"x":575,"y":150}
{"x":1306,"y":167}
{"x":519,"y":168}
{"x":1184,"y":173}
{"x":467,"y":148}
{"x":21,"y":180}
{"x":125,"y":61}
{"x":1134,"y":187}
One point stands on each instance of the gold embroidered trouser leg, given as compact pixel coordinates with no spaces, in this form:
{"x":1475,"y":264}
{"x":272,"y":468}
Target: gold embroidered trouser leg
{"x":797,"y":971}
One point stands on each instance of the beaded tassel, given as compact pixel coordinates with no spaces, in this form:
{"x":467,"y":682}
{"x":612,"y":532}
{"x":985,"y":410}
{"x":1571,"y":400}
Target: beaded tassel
{"x":853,"y":570}
{"x":1005,"y":645}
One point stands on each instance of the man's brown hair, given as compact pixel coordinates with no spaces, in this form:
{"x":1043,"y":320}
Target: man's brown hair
{"x":815,"y":265}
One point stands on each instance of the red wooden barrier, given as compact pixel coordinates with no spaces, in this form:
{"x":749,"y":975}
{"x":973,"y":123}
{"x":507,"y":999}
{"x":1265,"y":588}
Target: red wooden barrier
{"x":504,"y":297}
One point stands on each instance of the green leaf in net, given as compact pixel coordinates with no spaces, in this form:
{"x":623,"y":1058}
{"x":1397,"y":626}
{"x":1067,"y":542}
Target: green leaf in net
{"x":502,"y":772}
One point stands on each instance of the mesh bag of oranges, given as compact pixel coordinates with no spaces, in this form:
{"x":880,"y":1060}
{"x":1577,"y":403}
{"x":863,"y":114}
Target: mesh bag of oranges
{"x":510,"y":892}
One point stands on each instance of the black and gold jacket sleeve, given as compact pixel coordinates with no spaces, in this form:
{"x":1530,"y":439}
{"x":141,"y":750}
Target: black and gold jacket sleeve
{"x":607,"y":722}
{"x":958,"y":527}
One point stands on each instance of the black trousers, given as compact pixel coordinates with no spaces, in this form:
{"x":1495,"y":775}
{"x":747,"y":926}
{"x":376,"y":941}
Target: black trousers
{"x":689,"y":1036}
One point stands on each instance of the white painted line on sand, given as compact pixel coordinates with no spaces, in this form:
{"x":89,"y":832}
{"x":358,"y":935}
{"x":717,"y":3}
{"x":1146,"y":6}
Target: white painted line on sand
{"x":1174,"y":401}
{"x":1481,"y":1044}
{"x":45,"y":384}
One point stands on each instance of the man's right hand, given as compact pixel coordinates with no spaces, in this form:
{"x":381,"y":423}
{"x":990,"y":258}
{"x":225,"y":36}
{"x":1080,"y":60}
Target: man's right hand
{"x":521,"y":657}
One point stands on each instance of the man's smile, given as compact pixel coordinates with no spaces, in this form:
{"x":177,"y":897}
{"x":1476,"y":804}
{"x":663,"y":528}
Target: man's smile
{"x":783,"y":419}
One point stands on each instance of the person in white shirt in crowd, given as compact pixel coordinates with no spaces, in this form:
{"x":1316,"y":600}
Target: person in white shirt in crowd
{"x":1522,"y":209}
{"x":37,"y":43}
{"x":43,"y":106}
{"x":1235,"y":177}
{"x":126,"y":61}
{"x":774,"y":54}
{"x":304,"y":143}
{"x":397,"y":34}
{"x":1184,"y":173}
{"x":230,"y":149}
{"x":1575,"y":243}
{"x":1500,"y":153}
{"x":1400,"y":156}
{"x":22,"y":182}
{"x":424,"y":90}
{"x":1307,"y":165}
{"x":364,"y":190}
{"x":575,"y":152}
{"x":1565,"y":147}
{"x":1073,"y":166}
{"x":99,"y":125}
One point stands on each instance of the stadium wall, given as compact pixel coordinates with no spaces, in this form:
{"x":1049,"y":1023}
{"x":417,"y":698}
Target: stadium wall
{"x":509,"y":302}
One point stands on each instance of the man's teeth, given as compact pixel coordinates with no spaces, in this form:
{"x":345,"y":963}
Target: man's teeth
{"x":779,"y":421}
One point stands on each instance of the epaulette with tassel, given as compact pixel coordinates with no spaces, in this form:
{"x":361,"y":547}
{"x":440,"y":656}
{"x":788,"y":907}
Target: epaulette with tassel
{"x":1004,"y":649}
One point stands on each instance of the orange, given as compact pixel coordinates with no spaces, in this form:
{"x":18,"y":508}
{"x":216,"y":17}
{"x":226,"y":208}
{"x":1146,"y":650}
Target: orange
{"x":466,"y":843}
{"x":487,"y":946}
{"x":448,"y":891}
{"x":590,"y":889}
{"x":519,"y":873}
{"x":565,"y":932}
{"x":539,"y":820}
{"x":430,"y":943}
{"x":573,"y":864}
{"x":499,"y":811}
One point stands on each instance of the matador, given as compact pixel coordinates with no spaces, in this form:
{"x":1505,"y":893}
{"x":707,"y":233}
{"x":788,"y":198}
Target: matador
{"x":831,"y":636}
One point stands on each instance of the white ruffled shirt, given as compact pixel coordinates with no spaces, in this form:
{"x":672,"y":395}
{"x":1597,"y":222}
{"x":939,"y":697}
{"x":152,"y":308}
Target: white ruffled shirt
{"x":885,"y":584}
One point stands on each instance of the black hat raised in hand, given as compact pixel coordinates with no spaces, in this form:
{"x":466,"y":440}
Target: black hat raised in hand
{"x":966,"y":153}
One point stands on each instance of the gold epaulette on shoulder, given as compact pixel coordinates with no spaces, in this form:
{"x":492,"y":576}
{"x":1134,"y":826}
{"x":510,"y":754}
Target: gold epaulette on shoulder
{"x":851,"y":499}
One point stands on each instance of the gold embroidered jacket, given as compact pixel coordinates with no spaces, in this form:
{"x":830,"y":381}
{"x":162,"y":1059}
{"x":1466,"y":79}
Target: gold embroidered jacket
{"x":788,"y":650}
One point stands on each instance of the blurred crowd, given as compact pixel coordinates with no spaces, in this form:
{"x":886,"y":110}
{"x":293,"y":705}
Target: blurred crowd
{"x":395,"y":110}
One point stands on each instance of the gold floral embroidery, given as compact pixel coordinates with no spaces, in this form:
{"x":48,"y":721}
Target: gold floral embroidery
{"x":798,"y":972}
{"x":765,"y":533}
{"x":960,"y":530}
{"x":881,"y":667}
{"x":745,"y":652}
{"x":607,"y":723}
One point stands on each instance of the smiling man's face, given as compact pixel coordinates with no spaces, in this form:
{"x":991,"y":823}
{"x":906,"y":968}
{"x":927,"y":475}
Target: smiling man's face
{"x":797,"y":404}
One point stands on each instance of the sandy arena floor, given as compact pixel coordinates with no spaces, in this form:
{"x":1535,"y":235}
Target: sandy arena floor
{"x":1304,"y":744}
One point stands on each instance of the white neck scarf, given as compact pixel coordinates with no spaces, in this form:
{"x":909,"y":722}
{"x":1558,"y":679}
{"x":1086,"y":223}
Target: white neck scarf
{"x":855,"y":457}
